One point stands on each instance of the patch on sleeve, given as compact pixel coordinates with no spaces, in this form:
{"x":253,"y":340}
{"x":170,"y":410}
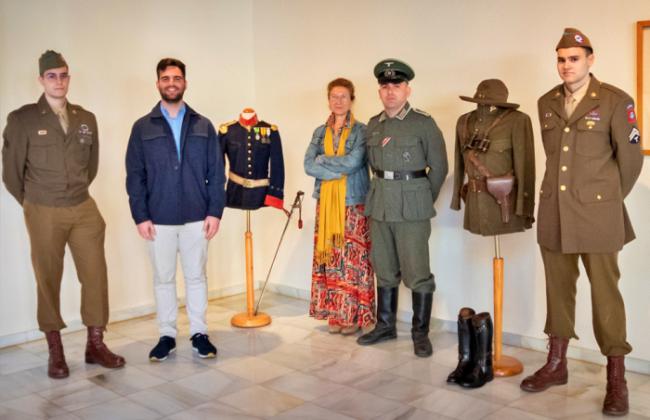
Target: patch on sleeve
{"x":635,"y":136}
{"x":631,"y":115}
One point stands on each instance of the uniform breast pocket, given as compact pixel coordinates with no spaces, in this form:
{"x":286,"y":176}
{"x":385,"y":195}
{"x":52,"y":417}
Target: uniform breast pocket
{"x":593,"y":139}
{"x":83,"y":147}
{"x":43,"y":153}
{"x":410,"y":154}
{"x":550,"y":137}
{"x":417,"y":201}
{"x":374,"y":151}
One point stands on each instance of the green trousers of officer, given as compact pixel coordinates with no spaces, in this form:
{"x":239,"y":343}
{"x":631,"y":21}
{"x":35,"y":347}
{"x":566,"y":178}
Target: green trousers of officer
{"x":400,"y":250}
{"x":608,"y":310}
{"x":82,"y":228}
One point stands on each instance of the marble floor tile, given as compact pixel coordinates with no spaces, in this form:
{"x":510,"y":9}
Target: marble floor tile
{"x":357,"y":404}
{"x":78,"y":395}
{"x":180,"y":395}
{"x":268,"y":402}
{"x":121,"y":408}
{"x":126,"y":381}
{"x":255,"y":369}
{"x":303,"y":386}
{"x":300,"y":357}
{"x":341,"y":371}
{"x":456,"y":405}
{"x":423,"y":370}
{"x":408,"y":412}
{"x":34,"y":405}
{"x":310,"y":411}
{"x":394,"y":387}
{"x":14,"y":359}
{"x":161,"y":403}
{"x":556,"y":406}
{"x":499,"y":391}
{"x":514,"y":414}
{"x":211,"y":411}
{"x":212,"y":383}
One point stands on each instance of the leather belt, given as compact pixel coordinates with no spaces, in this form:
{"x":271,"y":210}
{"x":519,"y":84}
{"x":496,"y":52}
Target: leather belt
{"x":477,"y":185}
{"x":400,"y":175}
{"x":248,"y":183}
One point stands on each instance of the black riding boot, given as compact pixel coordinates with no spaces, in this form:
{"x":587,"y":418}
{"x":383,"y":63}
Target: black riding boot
{"x":386,"y":318}
{"x":421,"y":317}
{"x":482,"y":369}
{"x":466,"y":345}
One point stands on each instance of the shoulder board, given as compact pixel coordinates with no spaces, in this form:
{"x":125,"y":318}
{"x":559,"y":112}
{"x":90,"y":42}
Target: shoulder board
{"x":274,"y":127}
{"x":223,"y":128}
{"x":419,"y":111}
{"x":374,"y":117}
{"x":613,"y":89}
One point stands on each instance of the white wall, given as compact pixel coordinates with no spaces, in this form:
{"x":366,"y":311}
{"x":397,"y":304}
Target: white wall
{"x":278,"y":57}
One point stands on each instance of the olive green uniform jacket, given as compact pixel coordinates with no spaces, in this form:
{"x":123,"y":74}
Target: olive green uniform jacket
{"x":410,"y":141}
{"x":511,"y":151}
{"x":43,"y":165}
{"x":593,"y":160}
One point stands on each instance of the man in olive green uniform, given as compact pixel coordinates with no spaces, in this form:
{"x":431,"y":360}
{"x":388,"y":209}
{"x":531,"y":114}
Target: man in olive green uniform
{"x":591,"y":140}
{"x":495,"y":140}
{"x":406,"y":152}
{"x":49,"y":155}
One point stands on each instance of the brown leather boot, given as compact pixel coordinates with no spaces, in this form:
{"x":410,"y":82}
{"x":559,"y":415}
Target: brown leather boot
{"x":554,"y":372}
{"x":97,"y":352}
{"x":616,"y":399}
{"x":57,"y":368}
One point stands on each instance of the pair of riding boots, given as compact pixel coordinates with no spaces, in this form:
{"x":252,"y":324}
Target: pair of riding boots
{"x":474,"y":350}
{"x":387,"y":317}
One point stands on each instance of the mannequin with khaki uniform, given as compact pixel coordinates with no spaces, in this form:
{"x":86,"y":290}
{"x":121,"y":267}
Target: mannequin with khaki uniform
{"x":592,"y":145}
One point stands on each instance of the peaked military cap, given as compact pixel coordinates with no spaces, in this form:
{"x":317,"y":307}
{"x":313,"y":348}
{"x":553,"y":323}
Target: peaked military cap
{"x":491,"y":92}
{"x":391,"y":70}
{"x":50,"y":60}
{"x":573,"y":37}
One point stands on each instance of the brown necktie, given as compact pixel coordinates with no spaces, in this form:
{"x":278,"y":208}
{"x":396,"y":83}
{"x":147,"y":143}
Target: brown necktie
{"x":570,"y":105}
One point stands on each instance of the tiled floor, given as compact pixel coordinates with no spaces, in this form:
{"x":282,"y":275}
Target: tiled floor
{"x":292,"y":369}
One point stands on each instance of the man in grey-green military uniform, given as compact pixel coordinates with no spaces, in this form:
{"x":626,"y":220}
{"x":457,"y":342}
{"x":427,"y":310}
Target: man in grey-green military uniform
{"x":406,"y":152}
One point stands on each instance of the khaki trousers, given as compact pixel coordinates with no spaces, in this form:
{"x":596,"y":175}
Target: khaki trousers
{"x":400,"y":251}
{"x":608,"y":309}
{"x":82,"y":228}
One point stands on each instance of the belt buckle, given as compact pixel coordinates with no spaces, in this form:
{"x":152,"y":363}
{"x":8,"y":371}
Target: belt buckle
{"x":389,"y":175}
{"x":248,"y":183}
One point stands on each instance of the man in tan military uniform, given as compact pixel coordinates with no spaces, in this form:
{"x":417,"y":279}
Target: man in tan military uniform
{"x":591,"y":141}
{"x":49,"y":157}
{"x":494,"y":140}
{"x":406,"y":152}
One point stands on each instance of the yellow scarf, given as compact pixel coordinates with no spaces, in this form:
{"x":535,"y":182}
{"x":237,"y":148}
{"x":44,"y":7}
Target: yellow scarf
{"x":331,"y":222}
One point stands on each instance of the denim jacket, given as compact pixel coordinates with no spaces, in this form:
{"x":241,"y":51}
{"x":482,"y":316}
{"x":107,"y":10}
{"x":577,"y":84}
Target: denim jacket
{"x":354,"y":164}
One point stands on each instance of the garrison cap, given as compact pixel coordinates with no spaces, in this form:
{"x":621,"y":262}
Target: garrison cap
{"x":391,"y":70}
{"x":573,"y":37}
{"x":50,"y":60}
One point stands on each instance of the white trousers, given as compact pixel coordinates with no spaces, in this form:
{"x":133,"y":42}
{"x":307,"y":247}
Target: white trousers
{"x":189,"y":241}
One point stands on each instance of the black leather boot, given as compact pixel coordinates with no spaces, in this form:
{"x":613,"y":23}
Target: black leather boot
{"x":422,"y":303}
{"x":482,"y":370}
{"x":386,"y":318}
{"x":466,"y":345}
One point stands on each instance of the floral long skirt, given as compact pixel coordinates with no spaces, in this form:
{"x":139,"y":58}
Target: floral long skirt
{"x":343,"y":289}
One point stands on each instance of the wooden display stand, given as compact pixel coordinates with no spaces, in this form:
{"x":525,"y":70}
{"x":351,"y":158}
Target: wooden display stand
{"x":502,"y":365}
{"x":250,"y":319}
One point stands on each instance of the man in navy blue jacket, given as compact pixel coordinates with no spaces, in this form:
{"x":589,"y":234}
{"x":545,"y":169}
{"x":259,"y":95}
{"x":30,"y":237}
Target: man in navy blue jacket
{"x":175,"y":181}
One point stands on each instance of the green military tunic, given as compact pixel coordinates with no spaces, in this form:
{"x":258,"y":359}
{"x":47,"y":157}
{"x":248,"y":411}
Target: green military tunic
{"x":511,"y":151}
{"x":400,"y":210}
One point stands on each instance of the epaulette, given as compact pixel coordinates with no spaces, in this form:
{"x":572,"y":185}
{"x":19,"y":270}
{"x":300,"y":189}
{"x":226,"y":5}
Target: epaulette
{"x":223,"y":128}
{"x":419,"y":111}
{"x":274,"y":127}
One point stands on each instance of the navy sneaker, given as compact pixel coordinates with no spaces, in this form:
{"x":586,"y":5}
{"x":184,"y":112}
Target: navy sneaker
{"x":203,"y":346}
{"x":165,"y":345}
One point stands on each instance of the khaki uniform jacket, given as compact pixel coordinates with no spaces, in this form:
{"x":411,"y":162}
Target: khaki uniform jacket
{"x":593,"y":160}
{"x":410,"y":141}
{"x":511,"y":151}
{"x":42,"y":164}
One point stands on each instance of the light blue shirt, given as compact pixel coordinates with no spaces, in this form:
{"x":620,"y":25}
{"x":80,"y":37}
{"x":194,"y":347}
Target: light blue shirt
{"x":176,"y":124}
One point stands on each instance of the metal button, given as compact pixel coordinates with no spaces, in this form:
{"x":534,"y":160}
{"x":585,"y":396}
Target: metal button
{"x":541,"y":191}
{"x":599,"y":197}
{"x":250,"y":173}
{"x":250,"y":151}
{"x":565,"y":148}
{"x":567,"y":129}
{"x":250,"y":166}
{"x":562,"y":187}
{"x":564,"y":168}
{"x":249,"y":158}
{"x":545,"y":125}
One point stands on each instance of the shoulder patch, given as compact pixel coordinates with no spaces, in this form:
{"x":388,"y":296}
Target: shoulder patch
{"x":223,"y":128}
{"x":419,"y":111}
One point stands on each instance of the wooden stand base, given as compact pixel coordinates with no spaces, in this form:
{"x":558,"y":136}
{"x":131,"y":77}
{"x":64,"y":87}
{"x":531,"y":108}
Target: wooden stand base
{"x":244,"y":320}
{"x":507,"y":366}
